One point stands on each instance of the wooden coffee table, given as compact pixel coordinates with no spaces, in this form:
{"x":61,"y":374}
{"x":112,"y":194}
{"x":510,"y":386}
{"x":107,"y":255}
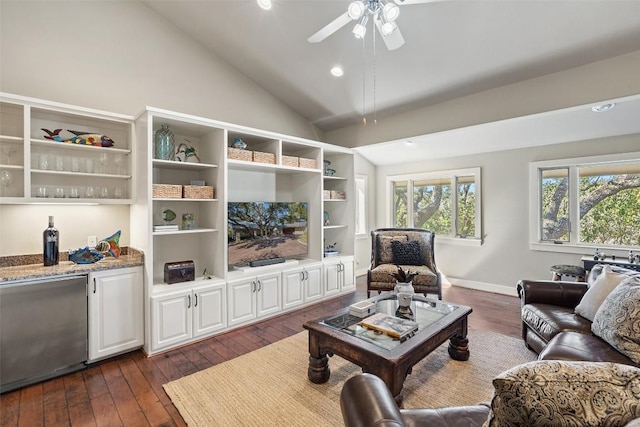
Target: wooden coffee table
{"x":389,"y":359}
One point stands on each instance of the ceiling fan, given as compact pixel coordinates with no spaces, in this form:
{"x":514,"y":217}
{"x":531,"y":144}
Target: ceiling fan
{"x":383,"y":13}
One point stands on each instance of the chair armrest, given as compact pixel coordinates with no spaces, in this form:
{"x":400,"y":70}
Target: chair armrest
{"x":560,"y":293}
{"x":366,"y":401}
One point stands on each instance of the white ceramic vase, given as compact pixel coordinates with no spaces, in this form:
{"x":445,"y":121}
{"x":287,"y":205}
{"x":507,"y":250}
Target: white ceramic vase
{"x":404,"y":293}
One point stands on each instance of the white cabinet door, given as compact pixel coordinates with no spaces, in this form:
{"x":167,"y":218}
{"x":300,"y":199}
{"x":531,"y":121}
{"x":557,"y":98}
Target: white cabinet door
{"x":209,"y":309}
{"x":269,"y":294}
{"x":115,"y":312}
{"x":241,"y":300}
{"x":171,"y":322}
{"x":293,"y":287}
{"x":332,"y":278}
{"x":347,"y":275}
{"x":313,"y":283}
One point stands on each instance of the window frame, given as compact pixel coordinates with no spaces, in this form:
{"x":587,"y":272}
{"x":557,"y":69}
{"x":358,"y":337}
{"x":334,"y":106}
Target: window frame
{"x":535,"y":202}
{"x":453,"y":175}
{"x":362,"y":210}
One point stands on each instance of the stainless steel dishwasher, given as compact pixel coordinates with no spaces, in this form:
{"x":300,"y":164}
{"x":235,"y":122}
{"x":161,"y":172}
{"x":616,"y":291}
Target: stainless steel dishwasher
{"x":43,"y":329}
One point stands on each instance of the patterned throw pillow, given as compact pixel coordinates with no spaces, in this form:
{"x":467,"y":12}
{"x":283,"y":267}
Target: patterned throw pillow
{"x":385,"y":255}
{"x":408,"y":253}
{"x":561,"y":393}
{"x":617,"y":321}
{"x":598,"y":291}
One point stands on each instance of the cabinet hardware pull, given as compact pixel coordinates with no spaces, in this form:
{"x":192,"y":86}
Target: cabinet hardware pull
{"x":259,"y":285}
{"x":196,"y":302}
{"x":301,"y":275}
{"x":253,"y":286}
{"x":189,"y":303}
{"x":94,"y":285}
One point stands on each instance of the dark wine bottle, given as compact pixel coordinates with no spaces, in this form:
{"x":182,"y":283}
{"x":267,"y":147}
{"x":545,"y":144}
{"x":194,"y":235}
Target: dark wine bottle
{"x":51,"y":244}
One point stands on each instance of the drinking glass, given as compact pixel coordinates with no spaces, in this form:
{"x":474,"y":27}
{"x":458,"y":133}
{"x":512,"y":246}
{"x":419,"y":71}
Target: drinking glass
{"x":117,"y":193}
{"x":89,"y":166}
{"x":103,"y":160}
{"x":6,"y":179}
{"x":90,"y":193}
{"x":59,"y":163}
{"x":44,"y":162}
{"x":8,"y":151}
{"x":118,"y":160}
{"x":75,"y":164}
{"x":73,"y":193}
{"x":104,"y":193}
{"x":42,"y":192}
{"x":59,"y":193}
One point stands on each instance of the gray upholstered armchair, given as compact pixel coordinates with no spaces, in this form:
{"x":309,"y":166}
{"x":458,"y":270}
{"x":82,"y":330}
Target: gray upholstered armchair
{"x":410,"y":248}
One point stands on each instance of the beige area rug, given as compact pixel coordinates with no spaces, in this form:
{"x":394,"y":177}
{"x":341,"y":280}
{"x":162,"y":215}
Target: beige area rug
{"x":269,"y":386}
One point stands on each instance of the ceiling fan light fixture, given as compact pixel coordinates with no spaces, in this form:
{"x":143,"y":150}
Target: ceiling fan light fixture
{"x":356,"y":9}
{"x":388,"y":28}
{"x":265,"y":4}
{"x":361,"y":27}
{"x":390,"y":11}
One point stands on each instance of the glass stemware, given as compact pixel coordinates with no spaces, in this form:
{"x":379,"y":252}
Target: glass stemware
{"x":6,"y":179}
{"x":118,"y":160}
{"x":8,"y":151}
{"x":103,"y":160}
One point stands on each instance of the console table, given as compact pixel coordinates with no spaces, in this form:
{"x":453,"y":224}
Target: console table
{"x":588,"y":262}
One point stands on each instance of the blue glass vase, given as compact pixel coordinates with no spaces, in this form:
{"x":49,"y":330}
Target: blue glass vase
{"x":164,"y":143}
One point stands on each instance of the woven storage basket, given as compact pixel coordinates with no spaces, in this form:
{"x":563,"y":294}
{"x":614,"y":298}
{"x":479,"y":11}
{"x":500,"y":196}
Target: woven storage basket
{"x":308,"y":163}
{"x":326,"y":194}
{"x":289,"y":161}
{"x":238,"y":154}
{"x":167,"y":191}
{"x":260,"y":157}
{"x":338,"y":195}
{"x":197,"y":192}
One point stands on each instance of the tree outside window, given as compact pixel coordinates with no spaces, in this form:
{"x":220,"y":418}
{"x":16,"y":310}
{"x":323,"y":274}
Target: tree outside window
{"x":445,"y":202}
{"x":603,"y":202}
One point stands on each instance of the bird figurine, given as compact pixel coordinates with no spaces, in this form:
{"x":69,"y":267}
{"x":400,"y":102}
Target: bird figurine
{"x":81,"y":138}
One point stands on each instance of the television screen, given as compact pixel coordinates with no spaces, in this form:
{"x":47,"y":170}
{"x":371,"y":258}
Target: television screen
{"x":259,"y":231}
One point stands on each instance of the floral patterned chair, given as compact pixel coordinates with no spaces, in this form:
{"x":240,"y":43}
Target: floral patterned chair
{"x":410,"y":248}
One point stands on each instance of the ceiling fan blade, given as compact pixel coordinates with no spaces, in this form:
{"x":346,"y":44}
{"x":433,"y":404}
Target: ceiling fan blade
{"x":393,"y":40}
{"x":330,"y":28}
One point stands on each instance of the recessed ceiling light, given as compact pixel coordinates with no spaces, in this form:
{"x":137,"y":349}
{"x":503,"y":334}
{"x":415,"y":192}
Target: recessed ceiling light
{"x":337,"y":71}
{"x":409,"y":142}
{"x":603,"y":107}
{"x":265,"y":4}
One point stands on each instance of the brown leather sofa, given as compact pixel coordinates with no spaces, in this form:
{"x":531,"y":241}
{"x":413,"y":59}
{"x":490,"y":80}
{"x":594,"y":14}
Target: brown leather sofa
{"x":552,"y":328}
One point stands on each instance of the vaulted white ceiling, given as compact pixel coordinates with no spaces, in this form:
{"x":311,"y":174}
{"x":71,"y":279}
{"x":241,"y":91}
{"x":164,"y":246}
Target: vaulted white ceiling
{"x":452,"y":48}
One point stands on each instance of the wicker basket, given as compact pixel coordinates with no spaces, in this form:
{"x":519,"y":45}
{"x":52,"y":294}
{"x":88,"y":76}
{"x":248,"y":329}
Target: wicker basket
{"x":167,"y":191}
{"x":308,"y":163}
{"x":238,"y":154}
{"x":338,"y":195}
{"x":197,"y":191}
{"x":260,"y":157}
{"x":289,"y":161}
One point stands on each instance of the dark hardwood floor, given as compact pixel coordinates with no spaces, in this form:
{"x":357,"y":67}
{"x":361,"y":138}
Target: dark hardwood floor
{"x":127,"y":390}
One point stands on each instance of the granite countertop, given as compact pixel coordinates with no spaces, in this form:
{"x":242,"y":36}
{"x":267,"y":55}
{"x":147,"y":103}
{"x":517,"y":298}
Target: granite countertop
{"x":26,"y":267}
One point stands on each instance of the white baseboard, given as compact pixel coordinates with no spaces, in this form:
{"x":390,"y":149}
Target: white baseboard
{"x":481,"y":286}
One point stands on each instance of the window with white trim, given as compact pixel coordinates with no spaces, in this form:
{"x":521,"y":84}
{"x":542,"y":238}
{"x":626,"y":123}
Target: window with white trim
{"x":446,"y":202}
{"x":587,"y":202}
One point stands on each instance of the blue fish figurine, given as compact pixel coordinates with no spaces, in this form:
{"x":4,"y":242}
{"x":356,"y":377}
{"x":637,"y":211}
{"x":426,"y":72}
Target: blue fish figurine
{"x":81,"y":138}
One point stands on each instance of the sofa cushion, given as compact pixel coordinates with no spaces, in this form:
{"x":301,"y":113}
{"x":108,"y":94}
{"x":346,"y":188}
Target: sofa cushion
{"x":549,"y":320}
{"x":598,"y":291}
{"x":576,"y":346}
{"x":382,"y":273}
{"x":406,"y":253}
{"x":385,"y":253}
{"x":560,"y":393}
{"x":618,"y":319}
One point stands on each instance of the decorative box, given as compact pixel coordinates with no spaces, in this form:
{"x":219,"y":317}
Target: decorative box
{"x":197,"y":191}
{"x":260,"y":157}
{"x":308,"y":163}
{"x":338,"y":195}
{"x":238,"y":154}
{"x":180,"y":271}
{"x":167,"y":191}
{"x":326,"y":194}
{"x":362,"y":309}
{"x":289,"y":161}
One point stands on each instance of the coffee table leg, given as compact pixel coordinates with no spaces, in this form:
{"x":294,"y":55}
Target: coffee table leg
{"x":459,"y":348}
{"x":318,"y":371}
